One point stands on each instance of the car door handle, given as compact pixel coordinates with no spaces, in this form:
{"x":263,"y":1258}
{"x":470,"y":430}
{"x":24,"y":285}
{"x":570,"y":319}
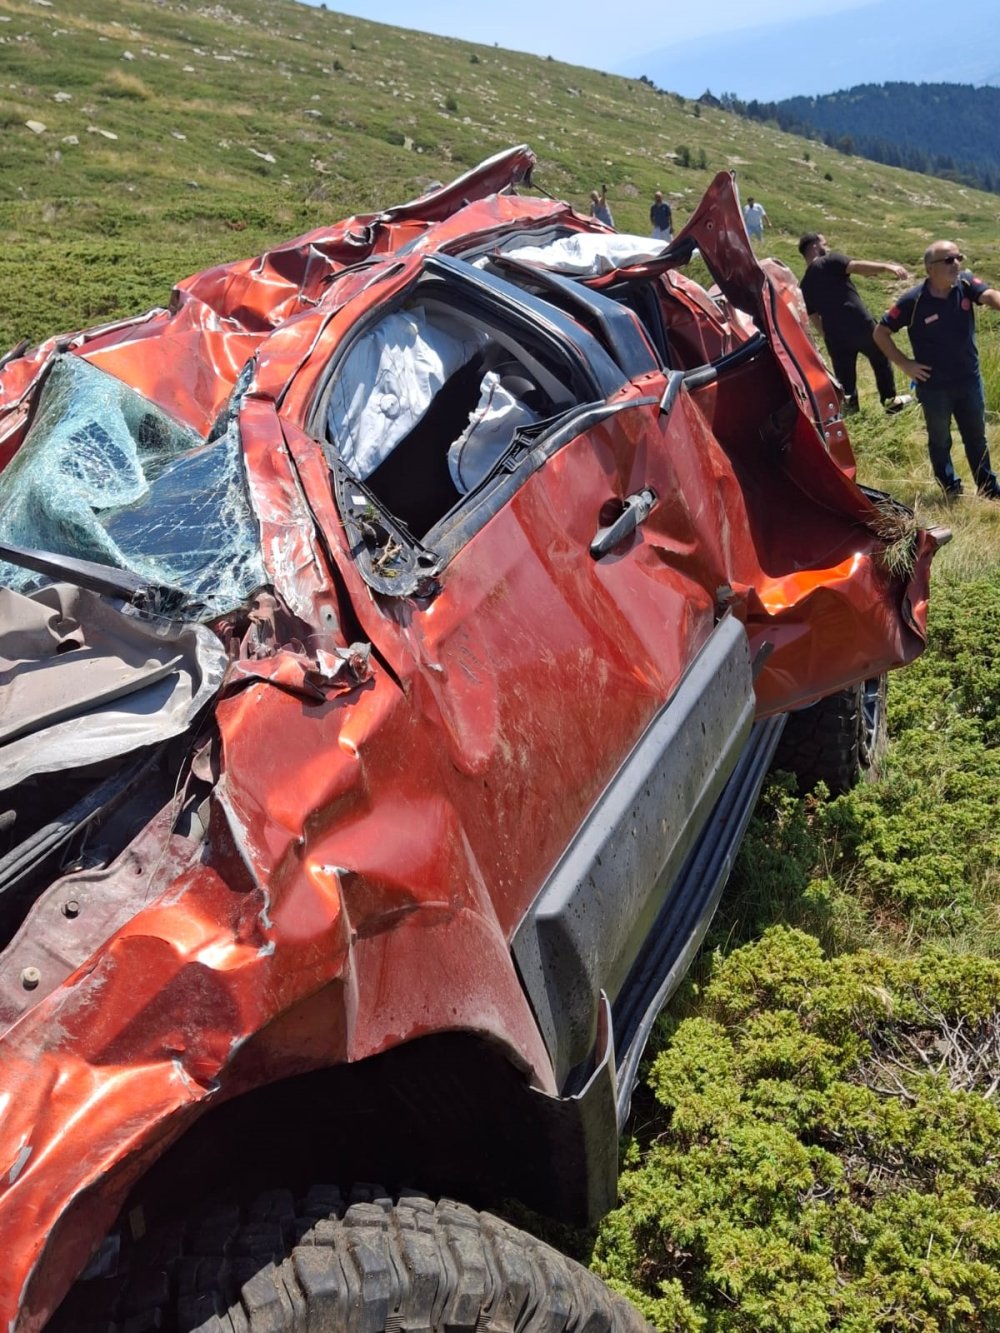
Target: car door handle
{"x":637,"y":509}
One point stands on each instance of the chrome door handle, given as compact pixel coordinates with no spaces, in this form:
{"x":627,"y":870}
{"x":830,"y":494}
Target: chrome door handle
{"x":637,"y":509}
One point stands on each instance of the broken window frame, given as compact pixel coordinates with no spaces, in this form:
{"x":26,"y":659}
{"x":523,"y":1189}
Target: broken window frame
{"x":393,"y":560}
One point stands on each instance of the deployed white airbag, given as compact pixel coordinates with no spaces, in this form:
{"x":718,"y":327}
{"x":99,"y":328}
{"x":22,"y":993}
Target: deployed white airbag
{"x":589,"y":254}
{"x":489,"y":434}
{"x":389,"y":379}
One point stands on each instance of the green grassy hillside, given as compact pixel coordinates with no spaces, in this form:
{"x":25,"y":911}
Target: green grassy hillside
{"x":818,"y":1145}
{"x":177,"y":136}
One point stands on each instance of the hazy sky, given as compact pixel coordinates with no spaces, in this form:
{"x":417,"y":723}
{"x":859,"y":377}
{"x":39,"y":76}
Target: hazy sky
{"x":592,"y":37}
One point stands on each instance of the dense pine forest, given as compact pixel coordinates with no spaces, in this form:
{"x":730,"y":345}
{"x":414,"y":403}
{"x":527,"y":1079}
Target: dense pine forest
{"x":940,"y":129}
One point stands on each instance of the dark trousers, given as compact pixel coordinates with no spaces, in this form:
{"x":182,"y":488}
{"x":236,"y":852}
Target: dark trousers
{"x":844,"y":354}
{"x":966,"y":403}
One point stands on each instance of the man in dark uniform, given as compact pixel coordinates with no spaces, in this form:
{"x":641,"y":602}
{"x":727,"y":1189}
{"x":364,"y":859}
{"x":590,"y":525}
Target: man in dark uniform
{"x":939,"y":316}
{"x":838,"y":312}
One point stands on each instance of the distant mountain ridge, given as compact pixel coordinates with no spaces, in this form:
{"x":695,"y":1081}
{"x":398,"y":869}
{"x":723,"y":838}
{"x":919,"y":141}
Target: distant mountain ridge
{"x":941,"y":129}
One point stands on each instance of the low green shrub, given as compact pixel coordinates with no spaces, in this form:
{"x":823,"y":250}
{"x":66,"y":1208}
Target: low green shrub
{"x":822,"y":1149}
{"x":830,"y":1152}
{"x":914,"y":856}
{"x":922,"y":845}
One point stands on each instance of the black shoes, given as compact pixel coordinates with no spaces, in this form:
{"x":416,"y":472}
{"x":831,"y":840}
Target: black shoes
{"x":991,"y":491}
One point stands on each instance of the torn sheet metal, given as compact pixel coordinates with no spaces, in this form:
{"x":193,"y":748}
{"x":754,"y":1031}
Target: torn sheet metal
{"x":85,"y":682}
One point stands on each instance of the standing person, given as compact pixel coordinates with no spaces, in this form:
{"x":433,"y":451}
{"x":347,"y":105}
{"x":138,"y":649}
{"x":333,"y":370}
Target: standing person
{"x":939,"y":316}
{"x":836,"y":309}
{"x":599,"y":207}
{"x":756,"y":219}
{"x":661,"y":218}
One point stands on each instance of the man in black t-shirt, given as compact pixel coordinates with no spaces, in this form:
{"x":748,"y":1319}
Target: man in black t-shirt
{"x":939,"y":315}
{"x":661,"y":218}
{"x":838,"y":312}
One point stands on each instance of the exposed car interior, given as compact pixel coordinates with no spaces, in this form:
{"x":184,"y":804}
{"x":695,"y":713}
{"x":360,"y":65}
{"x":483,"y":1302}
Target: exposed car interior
{"x":425,"y":405}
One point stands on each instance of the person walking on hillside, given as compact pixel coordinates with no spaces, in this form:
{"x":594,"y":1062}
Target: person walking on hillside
{"x":756,"y":219}
{"x":939,"y":315}
{"x":836,"y":309}
{"x":661,"y":218}
{"x":599,"y":207}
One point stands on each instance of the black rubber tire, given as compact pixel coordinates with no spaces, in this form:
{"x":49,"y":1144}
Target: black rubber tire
{"x":370,"y":1265}
{"x":837,"y":741}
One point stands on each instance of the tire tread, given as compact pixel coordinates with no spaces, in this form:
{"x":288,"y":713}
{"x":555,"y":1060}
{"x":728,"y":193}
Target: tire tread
{"x":372,"y":1265}
{"x":834,"y":742}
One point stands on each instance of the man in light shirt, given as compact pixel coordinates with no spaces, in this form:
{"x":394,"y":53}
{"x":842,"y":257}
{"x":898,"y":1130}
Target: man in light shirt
{"x":756,"y":219}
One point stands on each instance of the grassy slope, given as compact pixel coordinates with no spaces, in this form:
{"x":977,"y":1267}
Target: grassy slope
{"x":357,"y":116}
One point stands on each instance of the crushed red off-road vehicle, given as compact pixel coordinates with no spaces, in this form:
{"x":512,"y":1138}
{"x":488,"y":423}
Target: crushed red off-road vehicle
{"x":396,"y":633}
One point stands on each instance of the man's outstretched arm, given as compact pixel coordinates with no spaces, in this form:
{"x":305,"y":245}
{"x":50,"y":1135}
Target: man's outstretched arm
{"x":872,"y":268}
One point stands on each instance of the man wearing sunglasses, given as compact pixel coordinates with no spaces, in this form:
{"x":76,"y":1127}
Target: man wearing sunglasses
{"x":940,"y":319}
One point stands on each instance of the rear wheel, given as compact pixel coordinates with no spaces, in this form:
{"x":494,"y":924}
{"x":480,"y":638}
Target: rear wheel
{"x":368,"y":1266}
{"x":837,"y":741}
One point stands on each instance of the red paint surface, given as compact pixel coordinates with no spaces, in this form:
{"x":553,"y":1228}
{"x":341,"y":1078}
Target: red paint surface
{"x":379,"y":845}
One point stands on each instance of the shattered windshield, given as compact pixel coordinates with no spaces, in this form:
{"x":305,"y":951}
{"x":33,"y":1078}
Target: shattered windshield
{"x":105,"y":475}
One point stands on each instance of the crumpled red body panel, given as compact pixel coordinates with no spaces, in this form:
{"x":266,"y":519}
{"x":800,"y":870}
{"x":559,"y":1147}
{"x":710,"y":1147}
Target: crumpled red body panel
{"x":353,"y":872}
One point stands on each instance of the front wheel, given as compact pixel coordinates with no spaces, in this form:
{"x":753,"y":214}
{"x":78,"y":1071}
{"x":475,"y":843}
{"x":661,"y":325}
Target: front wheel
{"x":372,"y":1265}
{"x":838,"y":741}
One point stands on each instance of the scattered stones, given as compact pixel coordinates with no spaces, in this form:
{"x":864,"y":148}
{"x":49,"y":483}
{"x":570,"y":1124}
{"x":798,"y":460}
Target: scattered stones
{"x":176,"y":134}
{"x":107,"y":134}
{"x":62,"y":97}
{"x":71,"y":140}
{"x":35,"y":126}
{"x":127,"y":55}
{"x":264,"y":157}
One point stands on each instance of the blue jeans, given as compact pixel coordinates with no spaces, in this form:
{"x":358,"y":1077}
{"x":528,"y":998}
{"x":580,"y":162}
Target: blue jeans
{"x":966,"y":403}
